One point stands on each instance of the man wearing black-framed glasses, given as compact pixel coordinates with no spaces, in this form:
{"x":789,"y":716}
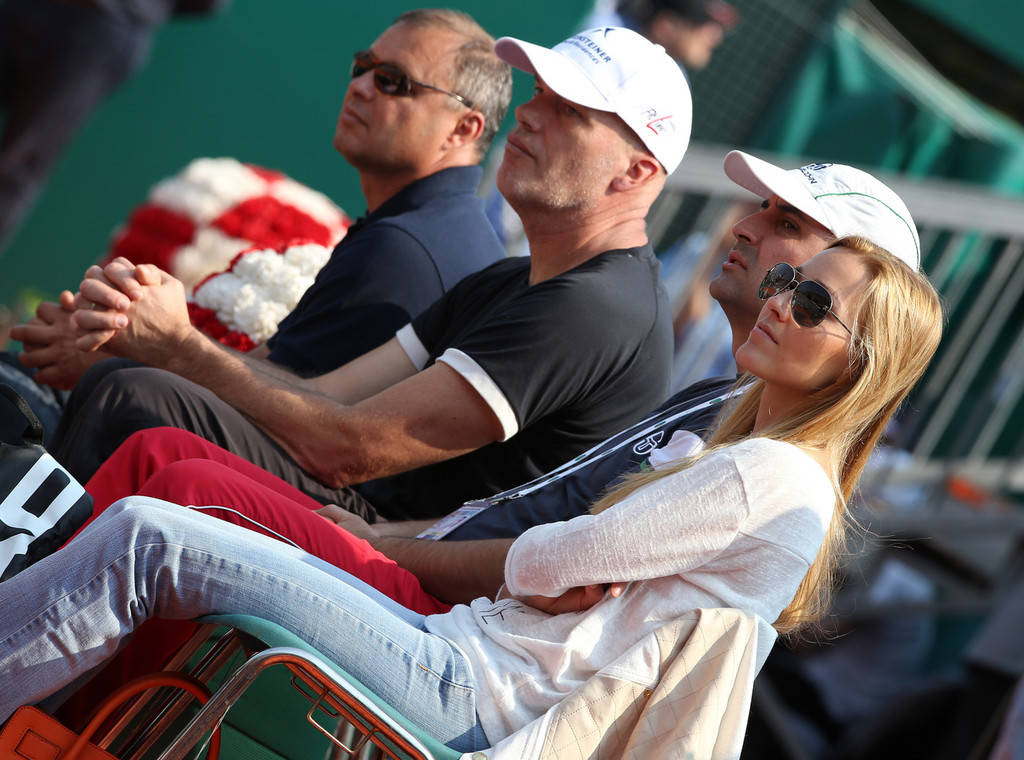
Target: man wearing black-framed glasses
{"x":427,"y":94}
{"x":417,"y":153}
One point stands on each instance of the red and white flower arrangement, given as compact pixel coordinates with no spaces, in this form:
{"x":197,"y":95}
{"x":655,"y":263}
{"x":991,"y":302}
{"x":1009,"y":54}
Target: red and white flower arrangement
{"x":271,"y":233}
{"x":242,"y":306}
{"x":194,"y":223}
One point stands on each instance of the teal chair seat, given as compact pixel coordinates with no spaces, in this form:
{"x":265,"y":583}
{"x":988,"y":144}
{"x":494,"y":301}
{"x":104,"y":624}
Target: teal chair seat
{"x":325,"y":683}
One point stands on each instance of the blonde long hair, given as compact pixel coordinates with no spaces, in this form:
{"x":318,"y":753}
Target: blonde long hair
{"x":898,"y":326}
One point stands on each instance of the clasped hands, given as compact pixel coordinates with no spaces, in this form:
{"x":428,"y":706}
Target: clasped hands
{"x":131,"y":310}
{"x":120,"y":309}
{"x":48,"y":344}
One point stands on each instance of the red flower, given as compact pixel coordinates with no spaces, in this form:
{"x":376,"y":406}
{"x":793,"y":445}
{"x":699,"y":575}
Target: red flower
{"x":268,"y":223}
{"x":206,"y":320}
{"x":238,"y":341}
{"x":152,"y":236}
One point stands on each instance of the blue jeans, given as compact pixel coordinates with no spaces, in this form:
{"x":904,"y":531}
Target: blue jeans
{"x":143,"y":557}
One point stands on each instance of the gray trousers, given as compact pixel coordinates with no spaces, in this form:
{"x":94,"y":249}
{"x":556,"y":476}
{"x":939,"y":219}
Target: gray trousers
{"x":117,"y":397}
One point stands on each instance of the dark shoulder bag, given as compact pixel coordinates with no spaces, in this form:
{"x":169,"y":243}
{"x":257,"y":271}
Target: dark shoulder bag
{"x":41,"y":505}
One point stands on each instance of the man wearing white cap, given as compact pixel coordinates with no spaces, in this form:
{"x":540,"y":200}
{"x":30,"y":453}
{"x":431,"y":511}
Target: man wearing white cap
{"x":819,"y":203}
{"x":628,"y":89}
{"x":519,"y":367}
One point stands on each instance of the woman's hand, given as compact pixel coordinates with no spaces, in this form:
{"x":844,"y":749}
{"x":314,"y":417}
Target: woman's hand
{"x":579,"y":599}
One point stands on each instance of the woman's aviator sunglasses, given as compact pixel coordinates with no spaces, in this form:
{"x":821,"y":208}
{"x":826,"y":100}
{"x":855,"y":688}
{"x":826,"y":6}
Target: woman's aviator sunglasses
{"x":391,"y":80}
{"x":810,"y":303}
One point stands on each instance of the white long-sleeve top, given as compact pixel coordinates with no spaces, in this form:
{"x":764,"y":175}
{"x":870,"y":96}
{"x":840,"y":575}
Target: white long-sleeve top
{"x":738,"y":529}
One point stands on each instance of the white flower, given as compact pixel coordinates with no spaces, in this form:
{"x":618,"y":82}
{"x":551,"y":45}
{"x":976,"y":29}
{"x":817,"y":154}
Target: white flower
{"x":259,"y":319}
{"x":207,"y":188}
{"x":307,"y":259}
{"x":220,"y":294}
{"x":317,"y":205}
{"x":288,"y":290}
{"x":262,"y":288}
{"x":211,"y":251}
{"x":261,"y":268}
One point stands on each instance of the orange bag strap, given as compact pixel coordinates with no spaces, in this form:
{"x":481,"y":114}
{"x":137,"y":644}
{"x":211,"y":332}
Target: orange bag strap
{"x":136,"y":686}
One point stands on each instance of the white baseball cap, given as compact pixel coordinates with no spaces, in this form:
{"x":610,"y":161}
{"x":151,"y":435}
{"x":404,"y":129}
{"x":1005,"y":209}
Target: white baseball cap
{"x":617,"y":70}
{"x":845,"y":200}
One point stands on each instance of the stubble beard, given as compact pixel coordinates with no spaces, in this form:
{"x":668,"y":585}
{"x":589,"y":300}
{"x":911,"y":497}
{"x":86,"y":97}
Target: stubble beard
{"x":737,"y":294}
{"x":572,"y":194}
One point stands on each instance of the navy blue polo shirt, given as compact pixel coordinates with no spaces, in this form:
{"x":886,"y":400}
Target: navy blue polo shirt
{"x":391,"y":265}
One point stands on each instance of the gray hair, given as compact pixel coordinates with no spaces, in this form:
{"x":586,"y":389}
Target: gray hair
{"x":477,"y":74}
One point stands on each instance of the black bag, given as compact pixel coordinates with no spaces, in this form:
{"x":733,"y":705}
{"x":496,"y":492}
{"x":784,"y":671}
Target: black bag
{"x":41,"y":505}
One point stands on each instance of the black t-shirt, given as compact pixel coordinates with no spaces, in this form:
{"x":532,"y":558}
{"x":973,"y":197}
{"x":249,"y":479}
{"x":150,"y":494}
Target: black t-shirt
{"x":572,"y":359}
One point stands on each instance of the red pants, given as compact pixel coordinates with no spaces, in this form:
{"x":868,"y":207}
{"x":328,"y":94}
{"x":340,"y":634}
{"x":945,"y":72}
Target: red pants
{"x":177,"y":466}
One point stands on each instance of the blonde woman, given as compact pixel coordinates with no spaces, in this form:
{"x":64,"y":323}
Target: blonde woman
{"x":753,"y":523}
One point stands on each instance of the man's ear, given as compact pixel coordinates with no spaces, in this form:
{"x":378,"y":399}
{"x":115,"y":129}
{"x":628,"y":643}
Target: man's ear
{"x":642,"y":170}
{"x":467,"y":130}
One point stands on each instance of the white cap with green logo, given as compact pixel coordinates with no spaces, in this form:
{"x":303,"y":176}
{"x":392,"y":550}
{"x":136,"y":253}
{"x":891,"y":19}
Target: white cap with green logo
{"x":845,"y":200}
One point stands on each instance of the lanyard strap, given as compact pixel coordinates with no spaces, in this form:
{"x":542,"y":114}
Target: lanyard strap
{"x":606,"y":447}
{"x":471,"y":508}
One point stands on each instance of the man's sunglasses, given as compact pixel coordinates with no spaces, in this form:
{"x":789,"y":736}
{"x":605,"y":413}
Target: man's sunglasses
{"x":810,"y":303}
{"x":391,"y":80}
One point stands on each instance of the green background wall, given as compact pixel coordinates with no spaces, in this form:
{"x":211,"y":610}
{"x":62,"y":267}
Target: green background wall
{"x":262,"y":82}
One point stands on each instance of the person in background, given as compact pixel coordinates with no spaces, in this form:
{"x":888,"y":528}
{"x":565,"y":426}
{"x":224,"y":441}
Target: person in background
{"x":59,"y":59}
{"x":689,"y":30}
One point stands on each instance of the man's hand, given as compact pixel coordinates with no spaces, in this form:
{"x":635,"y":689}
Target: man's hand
{"x":135,"y":311}
{"x":49,"y":344}
{"x":579,"y":599}
{"x":354,"y":524}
